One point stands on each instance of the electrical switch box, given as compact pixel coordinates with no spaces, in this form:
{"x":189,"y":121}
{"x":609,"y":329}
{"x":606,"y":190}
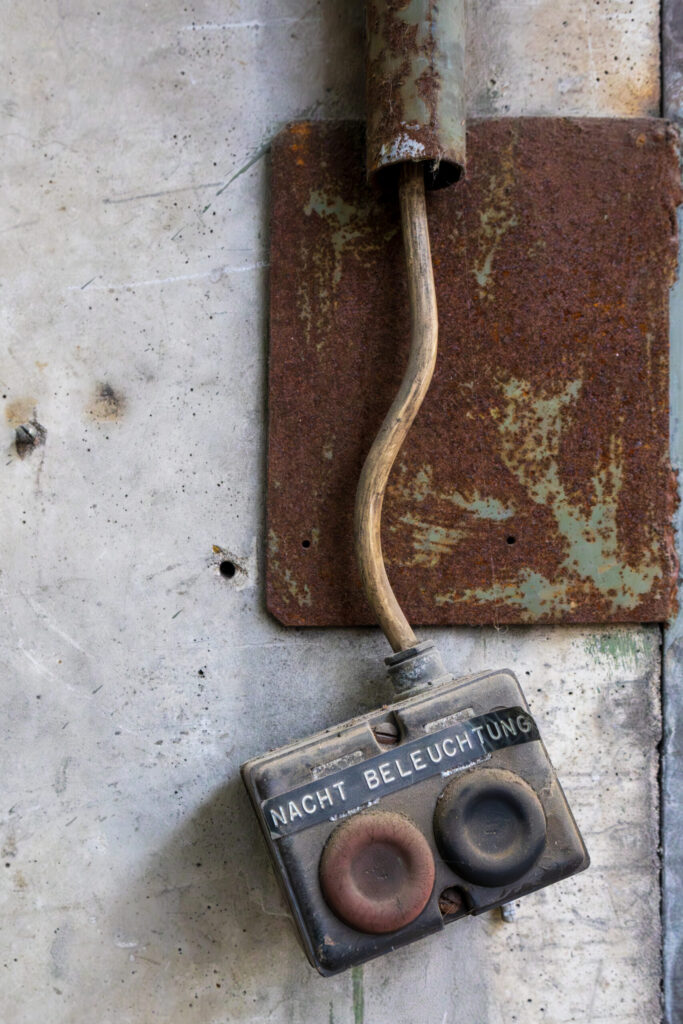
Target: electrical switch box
{"x":388,"y":827}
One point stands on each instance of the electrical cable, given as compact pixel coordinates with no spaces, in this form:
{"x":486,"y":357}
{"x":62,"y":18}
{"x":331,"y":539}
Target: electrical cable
{"x":414,"y":386}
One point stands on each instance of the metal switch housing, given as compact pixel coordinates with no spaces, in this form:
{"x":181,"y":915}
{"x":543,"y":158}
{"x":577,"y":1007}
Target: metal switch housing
{"x":386,"y":828}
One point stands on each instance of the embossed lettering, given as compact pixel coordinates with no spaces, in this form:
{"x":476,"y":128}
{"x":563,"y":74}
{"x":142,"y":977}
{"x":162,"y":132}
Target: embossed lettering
{"x":433,"y":756}
{"x":279,"y":816}
{"x":324,"y":797}
{"x":372,"y":779}
{"x":479,"y":729}
{"x":489,"y":728}
{"x":508,"y":727}
{"x":339,"y":786}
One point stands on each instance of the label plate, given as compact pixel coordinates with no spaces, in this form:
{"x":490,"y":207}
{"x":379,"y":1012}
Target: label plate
{"x":439,"y":753}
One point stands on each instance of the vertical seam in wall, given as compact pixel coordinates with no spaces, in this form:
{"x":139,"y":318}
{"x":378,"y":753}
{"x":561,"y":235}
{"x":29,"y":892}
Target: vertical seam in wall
{"x":662,"y":655}
{"x":662,"y":650}
{"x":661,"y":746}
{"x":665,"y":751}
{"x":661,"y":64}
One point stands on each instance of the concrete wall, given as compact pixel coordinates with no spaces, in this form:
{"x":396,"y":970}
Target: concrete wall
{"x":135,"y":677}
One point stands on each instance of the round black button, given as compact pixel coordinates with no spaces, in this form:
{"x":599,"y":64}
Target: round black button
{"x":377,"y":871}
{"x":489,"y":826}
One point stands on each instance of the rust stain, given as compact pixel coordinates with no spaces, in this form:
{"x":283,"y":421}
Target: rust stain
{"x":300,"y":133}
{"x":301,"y":129}
{"x":535,"y":485}
{"x":20,"y":410}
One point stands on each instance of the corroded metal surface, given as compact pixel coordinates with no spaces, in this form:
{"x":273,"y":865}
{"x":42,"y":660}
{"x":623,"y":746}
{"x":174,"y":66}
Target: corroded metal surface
{"x":415,"y":86}
{"x":535,"y":485}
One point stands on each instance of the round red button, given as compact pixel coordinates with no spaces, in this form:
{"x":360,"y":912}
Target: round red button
{"x":377,"y":871}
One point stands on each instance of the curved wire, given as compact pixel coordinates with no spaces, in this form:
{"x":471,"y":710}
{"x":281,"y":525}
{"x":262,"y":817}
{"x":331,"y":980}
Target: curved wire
{"x":399,"y":419}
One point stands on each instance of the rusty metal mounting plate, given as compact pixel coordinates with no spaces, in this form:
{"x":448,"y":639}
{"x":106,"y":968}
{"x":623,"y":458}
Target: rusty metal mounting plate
{"x":535,"y":485}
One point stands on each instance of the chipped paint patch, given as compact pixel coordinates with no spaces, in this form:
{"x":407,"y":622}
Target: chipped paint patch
{"x":624,"y":648}
{"x":495,"y":220}
{"x":403,"y":147}
{"x":345,"y":227}
{"x":350,"y":224}
{"x":421,"y":487}
{"x":531,"y":433}
{"x":289,"y":587}
{"x":530,"y":591}
{"x":430,"y":541}
{"x":531,"y":427}
{"x":358,"y":995}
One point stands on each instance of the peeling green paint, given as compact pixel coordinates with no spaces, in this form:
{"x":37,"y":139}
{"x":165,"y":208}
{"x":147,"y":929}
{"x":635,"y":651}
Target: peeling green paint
{"x":358,"y":995}
{"x":349,"y":223}
{"x":530,"y":427}
{"x":481,"y":508}
{"x":623,"y":647}
{"x":302,"y":595}
{"x":431,"y":541}
{"x":421,"y":486}
{"x":495,"y":221}
{"x":319,"y":203}
{"x":412,"y":103}
{"x":531,"y":591}
{"x":531,"y":431}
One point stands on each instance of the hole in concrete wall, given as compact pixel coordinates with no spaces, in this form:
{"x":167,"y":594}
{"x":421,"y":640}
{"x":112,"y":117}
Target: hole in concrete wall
{"x":227,"y":569}
{"x":107,"y":403}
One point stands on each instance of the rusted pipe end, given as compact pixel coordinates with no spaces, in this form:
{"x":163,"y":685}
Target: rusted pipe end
{"x":415,"y":88}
